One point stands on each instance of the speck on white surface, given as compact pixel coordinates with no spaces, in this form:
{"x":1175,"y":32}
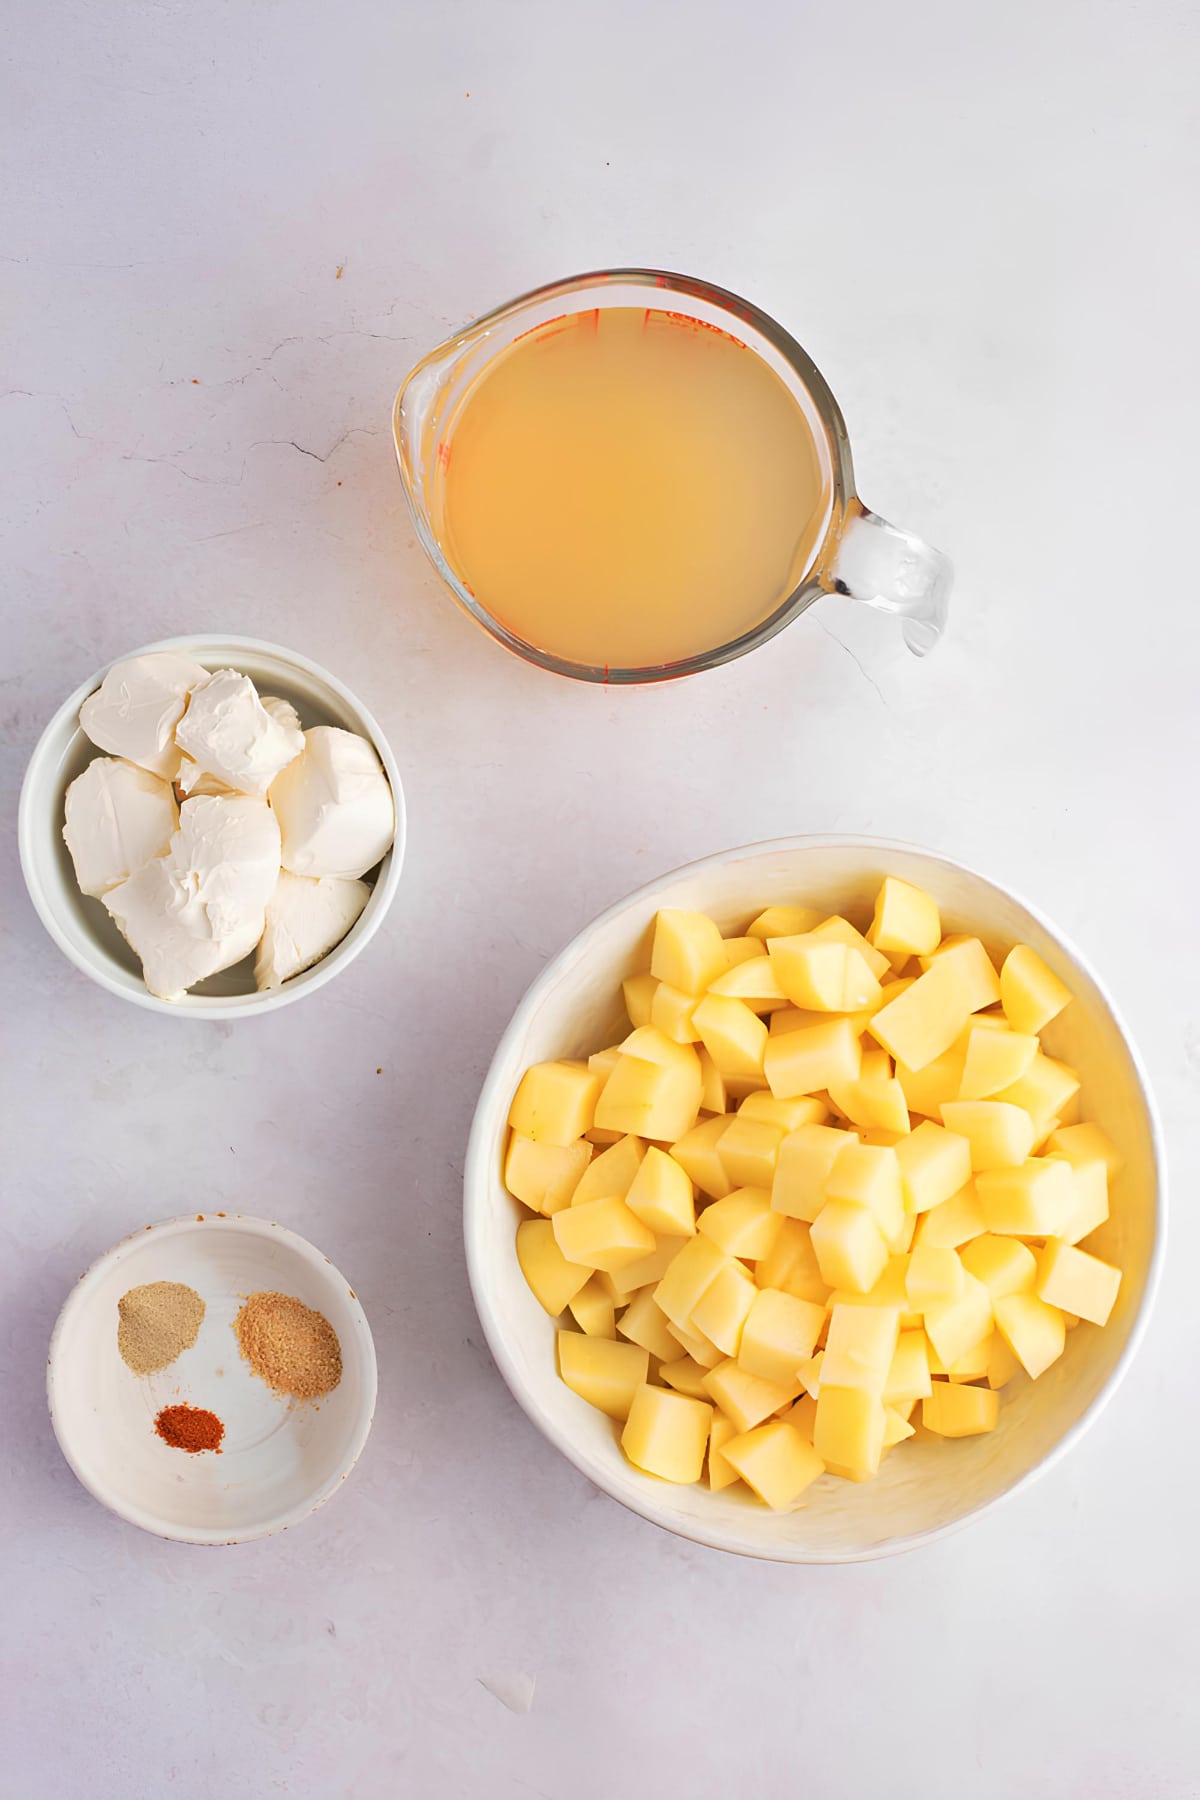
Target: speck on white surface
{"x":227,"y":232}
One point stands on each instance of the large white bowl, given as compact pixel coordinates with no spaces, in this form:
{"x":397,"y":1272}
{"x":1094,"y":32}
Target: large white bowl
{"x":927,"y":1488}
{"x":279,"y":1460}
{"x":82,"y":928}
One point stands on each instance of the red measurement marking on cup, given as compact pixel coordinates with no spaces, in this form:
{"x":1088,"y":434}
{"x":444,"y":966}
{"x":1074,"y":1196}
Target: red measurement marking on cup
{"x":444,"y":453}
{"x":679,"y":318}
{"x":562,"y":320}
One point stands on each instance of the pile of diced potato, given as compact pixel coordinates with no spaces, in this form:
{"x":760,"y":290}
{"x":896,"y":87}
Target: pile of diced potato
{"x":827,"y":1175}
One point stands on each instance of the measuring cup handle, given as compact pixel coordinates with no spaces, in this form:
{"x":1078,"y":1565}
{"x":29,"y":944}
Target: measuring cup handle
{"x":896,"y":572}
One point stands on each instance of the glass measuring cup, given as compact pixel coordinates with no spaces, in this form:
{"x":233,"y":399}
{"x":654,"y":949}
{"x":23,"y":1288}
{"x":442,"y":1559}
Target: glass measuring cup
{"x":855,"y":552}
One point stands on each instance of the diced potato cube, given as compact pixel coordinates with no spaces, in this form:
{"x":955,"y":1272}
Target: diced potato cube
{"x":994,"y":1060}
{"x":972,"y":1365}
{"x":974,"y":966}
{"x":555,"y":1102}
{"x":697,"y":1347}
{"x":698,"y":1156}
{"x":644,"y":1322}
{"x":734,"y":1037}
{"x":806,"y":1158}
{"x":775,"y":1461}
{"x":1076,"y":1282}
{"x":1004,"y":1264}
{"x":720,"y":1473}
{"x":1033,"y":1330}
{"x":753,"y":982}
{"x":671,"y":1013}
{"x":925,"y":1089}
{"x":654,"y":1091}
{"x":1000,"y":1135}
{"x":935,"y":1278}
{"x":638,"y":992}
{"x":1030,"y":993}
{"x":956,"y":1221}
{"x":1091,"y":1200}
{"x":1035,"y":1200}
{"x":907,"y":1232}
{"x":926,"y":1018}
{"x":908,"y":1378}
{"x":723,"y":1308}
{"x":784,"y":921}
{"x":956,"y":1411}
{"x":685,"y":1375}
{"x":896,"y":1427}
{"x":889,"y":1290}
{"x":807,"y":1060}
{"x":809,"y":1374}
{"x":543,"y":1176}
{"x":554,"y":1280}
{"x":743,"y":1223}
{"x":601,"y":1234}
{"x":747,"y":1399}
{"x":648,"y":1269}
{"x":860,"y":1347}
{"x":742,"y":949}
{"x":843,"y":932}
{"x":875,"y":1101}
{"x":802,"y":1415}
{"x":593,"y":1309}
{"x":851,"y":1250}
{"x":666,"y":1434}
{"x":688,"y":950}
{"x":935,"y":1164}
{"x":661,"y":1195}
{"x":1044,"y":1090}
{"x":823,"y":975}
{"x":791,"y":1264}
{"x":689,"y":1277}
{"x":748,"y":1150}
{"x":869,"y":1175}
{"x":603,"y":1062}
{"x":906,"y":921}
{"x":1086,"y":1143}
{"x":602,"y":1372}
{"x":788,"y":1115}
{"x":1002,"y":1365}
{"x":848,"y":1432}
{"x":714,"y":1096}
{"x":780,"y":1333}
{"x":610,"y":1173}
{"x":957,"y":1326}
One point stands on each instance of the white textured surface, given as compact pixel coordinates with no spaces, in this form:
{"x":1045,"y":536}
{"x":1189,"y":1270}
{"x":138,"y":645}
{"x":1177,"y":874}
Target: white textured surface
{"x":978,"y":223}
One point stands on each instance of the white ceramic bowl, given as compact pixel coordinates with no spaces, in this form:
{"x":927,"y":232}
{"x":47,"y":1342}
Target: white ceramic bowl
{"x":928,"y":1487}
{"x":280,"y":1460}
{"x":81,"y":927}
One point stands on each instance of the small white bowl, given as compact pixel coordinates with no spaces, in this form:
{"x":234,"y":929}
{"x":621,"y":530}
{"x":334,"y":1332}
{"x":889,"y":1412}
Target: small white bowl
{"x":81,"y":927}
{"x":927,"y":1488}
{"x":280,"y":1460}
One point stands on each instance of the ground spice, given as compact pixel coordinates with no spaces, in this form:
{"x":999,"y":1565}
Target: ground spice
{"x":289,"y":1346}
{"x":156,"y":1323}
{"x":190,"y":1428}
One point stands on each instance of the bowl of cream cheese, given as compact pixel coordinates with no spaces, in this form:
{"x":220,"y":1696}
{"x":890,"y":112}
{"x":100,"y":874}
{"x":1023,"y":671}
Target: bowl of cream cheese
{"x":212,"y":827}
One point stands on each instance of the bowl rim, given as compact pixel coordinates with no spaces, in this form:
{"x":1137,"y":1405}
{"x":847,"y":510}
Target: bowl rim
{"x":477,"y":1172}
{"x":142,"y":1517}
{"x":202,"y":645}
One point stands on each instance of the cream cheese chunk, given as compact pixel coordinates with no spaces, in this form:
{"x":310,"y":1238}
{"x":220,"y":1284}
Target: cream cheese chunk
{"x":118,"y":816}
{"x":201,"y":907}
{"x":134,"y":711}
{"x":335,"y":807}
{"x":229,"y":735}
{"x":306,"y":917}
